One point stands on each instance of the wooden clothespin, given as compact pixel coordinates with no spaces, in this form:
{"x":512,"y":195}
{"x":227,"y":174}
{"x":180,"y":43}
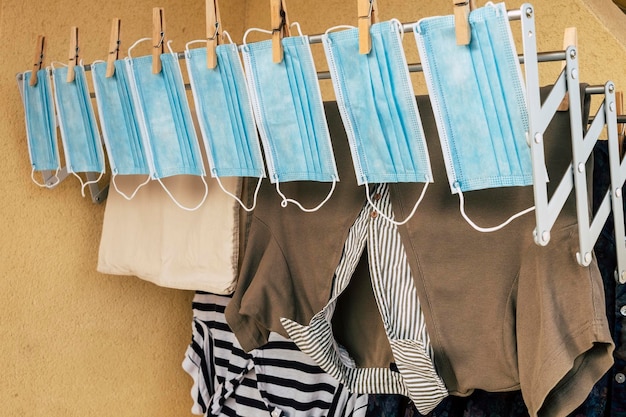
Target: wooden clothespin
{"x":38,"y":61}
{"x":213,"y":32}
{"x":368,"y":14}
{"x":73,"y":54}
{"x":114,"y":46}
{"x":570,"y":38}
{"x":159,"y":40}
{"x":462,"y":9}
{"x":280,"y":28}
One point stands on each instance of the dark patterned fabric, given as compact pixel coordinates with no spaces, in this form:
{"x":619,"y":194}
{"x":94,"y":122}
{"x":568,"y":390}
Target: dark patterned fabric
{"x":615,"y":293}
{"x":488,"y":404}
{"x":485,"y":404}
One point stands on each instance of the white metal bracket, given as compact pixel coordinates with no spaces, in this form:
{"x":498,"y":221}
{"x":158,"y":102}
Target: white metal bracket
{"x":540,"y":114}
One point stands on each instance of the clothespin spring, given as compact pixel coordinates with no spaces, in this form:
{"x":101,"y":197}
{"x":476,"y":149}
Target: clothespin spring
{"x":73,"y":54}
{"x":117,"y":48}
{"x":75,"y":59}
{"x":217,"y":28}
{"x":281,"y":25}
{"x":38,"y":65}
{"x":160,"y":44}
{"x":38,"y":61}
{"x":369,"y":13}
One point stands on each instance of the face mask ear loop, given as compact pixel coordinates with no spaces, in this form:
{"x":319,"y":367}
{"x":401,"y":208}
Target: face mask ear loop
{"x":191,"y":43}
{"x":243,"y":206}
{"x":135,"y":44}
{"x":487,"y":229}
{"x":297,"y":25}
{"x":286,"y":200}
{"x":169,"y":46}
{"x":43,"y":184}
{"x":245,"y":35}
{"x":40,"y":184}
{"x":399,"y":27}
{"x":206,"y":192}
{"x":134,"y":192}
{"x":86,"y":183}
{"x":390,"y":220}
{"x":225,"y":34}
{"x":338,"y":27}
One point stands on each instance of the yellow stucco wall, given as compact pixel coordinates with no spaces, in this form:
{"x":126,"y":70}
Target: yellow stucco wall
{"x":74,"y":342}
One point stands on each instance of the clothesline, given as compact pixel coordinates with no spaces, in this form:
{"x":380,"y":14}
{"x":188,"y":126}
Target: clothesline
{"x":550,"y":56}
{"x":540,"y":112}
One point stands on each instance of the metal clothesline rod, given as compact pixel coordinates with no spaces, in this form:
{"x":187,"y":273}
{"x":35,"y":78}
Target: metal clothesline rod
{"x":550,"y":56}
{"x":417,"y":67}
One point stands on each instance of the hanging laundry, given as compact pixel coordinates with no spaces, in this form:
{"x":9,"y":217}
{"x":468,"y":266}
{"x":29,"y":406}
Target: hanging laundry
{"x":41,"y":132}
{"x":478,"y":98}
{"x":287,"y":104}
{"x":167,"y":130}
{"x":120,"y":126}
{"x":477,"y":94}
{"x":276,"y":380}
{"x":80,"y":135}
{"x":499,"y":296}
{"x":396,"y":297}
{"x":152,"y":239}
{"x":615,"y":293}
{"x":224,"y":114}
{"x":378,"y":109}
{"x":377,"y":104}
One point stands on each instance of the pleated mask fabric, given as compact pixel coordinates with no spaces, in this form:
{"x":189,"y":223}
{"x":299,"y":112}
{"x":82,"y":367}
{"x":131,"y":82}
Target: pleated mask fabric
{"x":120,"y":129}
{"x":77,"y":122}
{"x":224,"y":113}
{"x":478,"y":97}
{"x":289,"y":112}
{"x":41,"y":133}
{"x":167,"y":130}
{"x":377,"y":104}
{"x":164,"y":117}
{"x":225,"y":116}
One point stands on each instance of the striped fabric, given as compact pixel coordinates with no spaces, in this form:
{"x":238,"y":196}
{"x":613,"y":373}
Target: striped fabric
{"x":400,"y":310}
{"x":277,"y":380}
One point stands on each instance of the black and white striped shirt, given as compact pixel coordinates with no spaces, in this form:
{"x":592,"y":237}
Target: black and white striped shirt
{"x":276,"y":380}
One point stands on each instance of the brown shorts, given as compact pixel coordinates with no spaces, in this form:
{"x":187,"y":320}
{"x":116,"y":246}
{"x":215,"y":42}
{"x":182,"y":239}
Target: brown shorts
{"x":502,"y":313}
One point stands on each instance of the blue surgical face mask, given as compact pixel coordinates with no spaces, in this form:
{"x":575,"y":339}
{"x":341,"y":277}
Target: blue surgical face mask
{"x":288,"y":107}
{"x":377,"y":105}
{"x":41,"y":130}
{"x":79,"y":132}
{"x":120,"y":130}
{"x":225,"y":115}
{"x":167,"y":129}
{"x":478,"y":99}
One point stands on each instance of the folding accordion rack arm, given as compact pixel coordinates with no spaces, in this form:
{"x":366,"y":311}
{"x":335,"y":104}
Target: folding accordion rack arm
{"x":547,"y":208}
